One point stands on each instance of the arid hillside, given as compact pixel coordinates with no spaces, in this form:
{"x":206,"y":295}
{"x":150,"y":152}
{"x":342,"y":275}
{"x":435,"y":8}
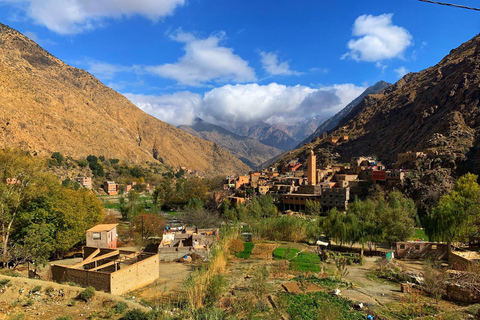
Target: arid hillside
{"x":48,"y":106}
{"x":436,"y":109}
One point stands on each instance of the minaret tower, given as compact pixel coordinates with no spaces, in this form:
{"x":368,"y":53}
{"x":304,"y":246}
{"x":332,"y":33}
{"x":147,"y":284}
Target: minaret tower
{"x":312,"y":169}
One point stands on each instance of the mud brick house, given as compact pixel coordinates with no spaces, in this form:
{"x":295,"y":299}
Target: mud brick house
{"x":102,"y":236}
{"x":110,"y":270}
{"x":110,"y":187}
{"x":421,"y":250}
{"x":85,"y":182}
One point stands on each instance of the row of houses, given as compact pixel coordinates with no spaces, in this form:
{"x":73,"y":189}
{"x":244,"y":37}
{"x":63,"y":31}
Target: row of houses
{"x":332,"y":185}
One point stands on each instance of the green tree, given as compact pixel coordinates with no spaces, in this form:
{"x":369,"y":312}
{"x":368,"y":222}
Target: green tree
{"x":313,"y":207}
{"x":131,"y":206}
{"x":456,"y":215}
{"x":58,"y":156}
{"x":398,"y":219}
{"x":19,"y":175}
{"x":362,"y":222}
{"x":97,"y":169}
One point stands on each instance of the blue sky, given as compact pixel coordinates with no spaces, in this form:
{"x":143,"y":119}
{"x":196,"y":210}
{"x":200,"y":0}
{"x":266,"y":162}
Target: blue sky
{"x":276,"y":61}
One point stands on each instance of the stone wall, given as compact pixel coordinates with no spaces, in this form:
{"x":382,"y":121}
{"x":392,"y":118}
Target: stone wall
{"x":99,"y":280}
{"x":135,"y":276}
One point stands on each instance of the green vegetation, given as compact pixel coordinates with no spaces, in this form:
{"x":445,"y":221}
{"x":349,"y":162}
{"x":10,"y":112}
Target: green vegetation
{"x":64,"y":318}
{"x":319,"y":305}
{"x":284,"y":253}
{"x":247,"y":250}
{"x":39,"y":215}
{"x":120,"y":307}
{"x":420,"y":234}
{"x":305,"y":261}
{"x":87,"y":294}
{"x":456,"y":215}
{"x":391,"y":219}
{"x":330,"y":282}
{"x":299,"y":261}
{"x":4,"y":282}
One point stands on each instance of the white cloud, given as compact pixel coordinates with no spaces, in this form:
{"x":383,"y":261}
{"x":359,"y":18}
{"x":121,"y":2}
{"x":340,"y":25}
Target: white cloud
{"x":272,"y":103}
{"x":401,"y":71}
{"x":75,"y":16}
{"x":205,"y":60}
{"x":378,"y":39}
{"x":104,"y":70}
{"x":273,"y":67}
{"x":177,"y":108}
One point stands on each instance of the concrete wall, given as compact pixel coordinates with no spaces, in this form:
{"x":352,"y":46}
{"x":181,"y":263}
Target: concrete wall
{"x":135,"y":276}
{"x":99,"y":280}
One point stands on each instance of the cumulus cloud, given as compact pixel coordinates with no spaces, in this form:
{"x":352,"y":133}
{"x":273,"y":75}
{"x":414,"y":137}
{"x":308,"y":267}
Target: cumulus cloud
{"x":177,"y":108}
{"x":273,"y":103}
{"x":205,"y":60}
{"x":274,"y":67}
{"x":378,"y":39}
{"x":401,"y":71}
{"x":75,"y":16}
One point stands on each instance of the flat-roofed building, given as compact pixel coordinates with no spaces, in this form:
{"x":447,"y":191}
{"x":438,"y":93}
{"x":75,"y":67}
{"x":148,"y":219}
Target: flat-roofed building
{"x":102,"y":236}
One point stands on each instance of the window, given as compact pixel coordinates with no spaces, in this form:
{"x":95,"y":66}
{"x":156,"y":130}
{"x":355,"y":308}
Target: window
{"x":97,"y":236}
{"x":402,"y":247}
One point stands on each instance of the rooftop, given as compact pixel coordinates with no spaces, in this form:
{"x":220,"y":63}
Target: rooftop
{"x":102,"y":227}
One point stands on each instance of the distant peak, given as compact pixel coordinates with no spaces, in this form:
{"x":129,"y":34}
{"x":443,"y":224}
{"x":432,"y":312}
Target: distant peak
{"x":198,"y":120}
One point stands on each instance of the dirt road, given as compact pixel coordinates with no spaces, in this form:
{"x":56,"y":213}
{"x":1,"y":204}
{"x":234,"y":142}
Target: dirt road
{"x":369,"y":292}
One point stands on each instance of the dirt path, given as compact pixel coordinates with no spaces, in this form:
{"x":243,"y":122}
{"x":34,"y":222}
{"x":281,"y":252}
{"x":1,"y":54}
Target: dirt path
{"x":369,"y":292}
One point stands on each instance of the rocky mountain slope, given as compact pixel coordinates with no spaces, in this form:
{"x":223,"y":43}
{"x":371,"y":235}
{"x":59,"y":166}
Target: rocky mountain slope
{"x":437,"y":109}
{"x":251,"y":152}
{"x":48,"y":106}
{"x":280,"y":136}
{"x":333,"y":121}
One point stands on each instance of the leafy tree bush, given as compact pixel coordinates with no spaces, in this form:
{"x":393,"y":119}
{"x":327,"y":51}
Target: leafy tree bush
{"x":113,"y":161}
{"x":58,"y":156}
{"x":92,"y":158}
{"x":87,"y":294}
{"x":137,"y":172}
{"x":82,"y":162}
{"x":97,"y":169}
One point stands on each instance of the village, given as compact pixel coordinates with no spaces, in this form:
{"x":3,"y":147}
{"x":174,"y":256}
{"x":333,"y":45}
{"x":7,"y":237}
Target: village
{"x":293,"y":264}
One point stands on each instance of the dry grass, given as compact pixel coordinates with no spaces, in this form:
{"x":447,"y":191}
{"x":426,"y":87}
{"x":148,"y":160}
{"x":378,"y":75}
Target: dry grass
{"x":200,"y":281}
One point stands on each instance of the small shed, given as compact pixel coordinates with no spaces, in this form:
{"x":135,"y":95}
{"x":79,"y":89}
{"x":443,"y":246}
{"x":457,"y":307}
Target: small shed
{"x":102,"y":236}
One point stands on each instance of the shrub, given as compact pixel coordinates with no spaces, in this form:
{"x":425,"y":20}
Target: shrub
{"x":120,"y":307}
{"x":29,"y":302}
{"x":87,"y":294}
{"x":4,"y":282}
{"x":36,"y":289}
{"x":64,"y":318}
{"x":58,"y":156}
{"x":137,"y":314}
{"x":215,"y":289}
{"x":82,"y":163}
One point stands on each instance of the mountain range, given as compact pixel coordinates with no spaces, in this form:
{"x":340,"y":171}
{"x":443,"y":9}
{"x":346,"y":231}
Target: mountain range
{"x":250,"y":151}
{"x":48,"y":106}
{"x":435,"y":110}
{"x":333,"y":121}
